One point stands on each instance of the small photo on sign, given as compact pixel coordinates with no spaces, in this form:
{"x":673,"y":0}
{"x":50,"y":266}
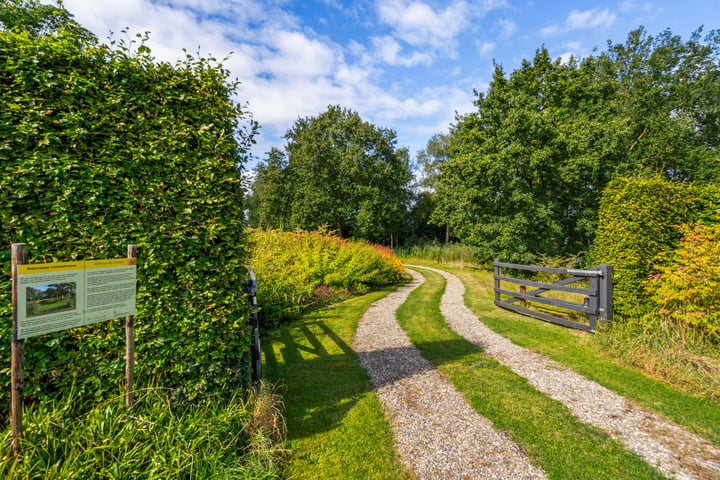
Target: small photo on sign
{"x":47,"y":299}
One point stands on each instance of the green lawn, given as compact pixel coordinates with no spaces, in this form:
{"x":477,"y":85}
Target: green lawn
{"x":336,"y":429}
{"x":55,"y":306}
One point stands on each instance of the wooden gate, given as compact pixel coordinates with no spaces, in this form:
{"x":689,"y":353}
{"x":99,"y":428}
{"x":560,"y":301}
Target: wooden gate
{"x":598,"y":303}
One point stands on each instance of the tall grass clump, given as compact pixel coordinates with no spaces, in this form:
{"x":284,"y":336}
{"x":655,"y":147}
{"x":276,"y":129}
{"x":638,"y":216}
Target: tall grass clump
{"x":661,"y":350}
{"x":298,"y":270}
{"x":439,"y":252}
{"x":238,"y":438}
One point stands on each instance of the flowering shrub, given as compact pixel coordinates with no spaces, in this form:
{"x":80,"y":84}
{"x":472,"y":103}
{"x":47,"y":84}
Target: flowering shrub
{"x":395,"y":261}
{"x":688,"y":291}
{"x":296,"y":270}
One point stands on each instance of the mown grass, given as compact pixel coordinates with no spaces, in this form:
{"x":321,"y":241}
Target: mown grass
{"x":156,"y":439}
{"x":584,"y":354}
{"x":563,"y":446}
{"x":335,"y":424}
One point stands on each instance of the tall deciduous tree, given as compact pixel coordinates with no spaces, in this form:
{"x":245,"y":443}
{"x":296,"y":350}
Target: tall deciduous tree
{"x":341,"y":172}
{"x":430,"y":160}
{"x":269,"y":200}
{"x":527,"y":168}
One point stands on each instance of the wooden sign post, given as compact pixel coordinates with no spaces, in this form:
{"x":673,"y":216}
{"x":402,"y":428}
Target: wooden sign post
{"x":129,"y":344}
{"x":16,"y":347}
{"x":85,"y":301}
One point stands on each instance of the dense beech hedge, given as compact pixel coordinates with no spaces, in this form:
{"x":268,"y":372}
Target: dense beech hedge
{"x":101,"y":147}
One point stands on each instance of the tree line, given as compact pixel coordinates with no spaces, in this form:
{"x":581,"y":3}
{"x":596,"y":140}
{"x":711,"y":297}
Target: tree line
{"x":60,"y":291}
{"x":522,"y":174}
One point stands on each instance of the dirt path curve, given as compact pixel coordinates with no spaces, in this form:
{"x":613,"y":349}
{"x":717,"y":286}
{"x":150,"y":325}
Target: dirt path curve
{"x":437,"y":434}
{"x":674,"y":450}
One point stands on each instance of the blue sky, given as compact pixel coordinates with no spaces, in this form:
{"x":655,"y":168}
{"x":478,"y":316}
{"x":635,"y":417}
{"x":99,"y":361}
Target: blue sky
{"x":407,"y":65}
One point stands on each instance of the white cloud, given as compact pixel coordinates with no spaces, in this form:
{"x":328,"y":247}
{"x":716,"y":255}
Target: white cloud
{"x":452,"y":100}
{"x":565,"y":57}
{"x":508,"y":27}
{"x":389,"y":51}
{"x":160,"y":16}
{"x":418,"y":24}
{"x":632,"y":5}
{"x":286,"y":71}
{"x":295,"y":55}
{"x":585,"y":20}
{"x":486,"y":49}
{"x":590,"y":19}
{"x":575,"y":49}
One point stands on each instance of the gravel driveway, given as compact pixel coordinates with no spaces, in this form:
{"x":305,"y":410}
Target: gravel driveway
{"x":437,"y":434}
{"x":673,"y":449}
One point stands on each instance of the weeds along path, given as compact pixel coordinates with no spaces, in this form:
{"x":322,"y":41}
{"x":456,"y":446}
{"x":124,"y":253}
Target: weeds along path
{"x":437,"y":434}
{"x":674,"y":450}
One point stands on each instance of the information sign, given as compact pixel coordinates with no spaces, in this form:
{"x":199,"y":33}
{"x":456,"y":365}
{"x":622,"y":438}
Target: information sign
{"x":59,"y":296}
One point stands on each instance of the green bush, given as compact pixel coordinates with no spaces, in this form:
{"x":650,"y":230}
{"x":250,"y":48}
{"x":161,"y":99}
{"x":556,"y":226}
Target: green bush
{"x":101,"y":147}
{"x":639,"y":228}
{"x":297,"y":270}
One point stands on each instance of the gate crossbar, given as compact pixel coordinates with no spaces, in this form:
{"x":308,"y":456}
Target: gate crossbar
{"x":597,"y":305}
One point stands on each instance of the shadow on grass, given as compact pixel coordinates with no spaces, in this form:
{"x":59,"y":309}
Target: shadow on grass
{"x":323,"y":378}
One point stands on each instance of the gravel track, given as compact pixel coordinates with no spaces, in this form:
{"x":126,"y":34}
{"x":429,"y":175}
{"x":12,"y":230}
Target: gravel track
{"x":674,"y":450}
{"x":437,"y":434}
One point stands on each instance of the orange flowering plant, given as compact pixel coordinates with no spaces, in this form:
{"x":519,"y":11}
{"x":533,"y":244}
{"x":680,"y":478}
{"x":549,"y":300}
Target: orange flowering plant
{"x":296,"y":270}
{"x":688,"y":291}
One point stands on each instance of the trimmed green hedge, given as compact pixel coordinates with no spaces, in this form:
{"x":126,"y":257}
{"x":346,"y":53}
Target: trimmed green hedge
{"x":639,"y":228}
{"x":103,"y":147}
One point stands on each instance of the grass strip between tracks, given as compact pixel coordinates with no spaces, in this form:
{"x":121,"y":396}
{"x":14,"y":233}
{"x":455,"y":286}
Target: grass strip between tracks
{"x":579,"y":351}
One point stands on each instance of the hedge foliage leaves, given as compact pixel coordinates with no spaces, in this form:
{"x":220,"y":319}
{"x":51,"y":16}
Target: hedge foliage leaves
{"x":101,"y":147}
{"x":641,"y":225}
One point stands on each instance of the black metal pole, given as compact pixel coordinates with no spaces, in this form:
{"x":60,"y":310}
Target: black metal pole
{"x":256,"y":359}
